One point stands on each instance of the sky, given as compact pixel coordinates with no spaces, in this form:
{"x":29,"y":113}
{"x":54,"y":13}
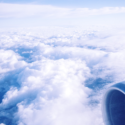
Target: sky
{"x":72,"y":3}
{"x":57,"y":59}
{"x":61,"y":13}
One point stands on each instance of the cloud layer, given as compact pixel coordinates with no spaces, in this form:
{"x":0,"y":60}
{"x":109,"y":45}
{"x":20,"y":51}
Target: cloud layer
{"x":56,"y":75}
{"x":27,"y":10}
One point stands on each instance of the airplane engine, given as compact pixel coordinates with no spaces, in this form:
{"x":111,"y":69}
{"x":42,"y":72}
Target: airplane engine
{"x":113,"y":106}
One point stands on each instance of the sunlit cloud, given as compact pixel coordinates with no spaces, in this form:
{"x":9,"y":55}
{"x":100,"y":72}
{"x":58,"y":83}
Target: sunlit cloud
{"x":58,"y":72}
{"x":57,"y":75}
{"x":24,"y":10}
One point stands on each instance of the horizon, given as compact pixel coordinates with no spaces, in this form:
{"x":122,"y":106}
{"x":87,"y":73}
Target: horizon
{"x":35,"y":14}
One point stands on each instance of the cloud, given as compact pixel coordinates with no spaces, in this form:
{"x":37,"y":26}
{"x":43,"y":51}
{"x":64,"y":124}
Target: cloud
{"x":58,"y":75}
{"x":23,"y":10}
{"x":48,"y":11}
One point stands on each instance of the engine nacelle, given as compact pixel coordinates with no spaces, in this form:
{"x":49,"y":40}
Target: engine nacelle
{"x":113,"y":107}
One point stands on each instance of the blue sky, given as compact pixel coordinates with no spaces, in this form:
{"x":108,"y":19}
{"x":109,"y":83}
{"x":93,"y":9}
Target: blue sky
{"x":73,"y":3}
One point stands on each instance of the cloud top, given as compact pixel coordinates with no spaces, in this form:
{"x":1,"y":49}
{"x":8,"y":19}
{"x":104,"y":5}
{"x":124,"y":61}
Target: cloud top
{"x":26,"y":10}
{"x":58,"y":75}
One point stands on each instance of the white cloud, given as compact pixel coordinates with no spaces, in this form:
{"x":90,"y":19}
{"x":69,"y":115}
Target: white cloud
{"x":9,"y":61}
{"x":20,"y":10}
{"x":26,"y":10}
{"x":56,"y":75}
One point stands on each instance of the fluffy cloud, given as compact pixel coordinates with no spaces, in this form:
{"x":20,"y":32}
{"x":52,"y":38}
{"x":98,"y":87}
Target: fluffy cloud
{"x":58,"y":76}
{"x":24,"y":10}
